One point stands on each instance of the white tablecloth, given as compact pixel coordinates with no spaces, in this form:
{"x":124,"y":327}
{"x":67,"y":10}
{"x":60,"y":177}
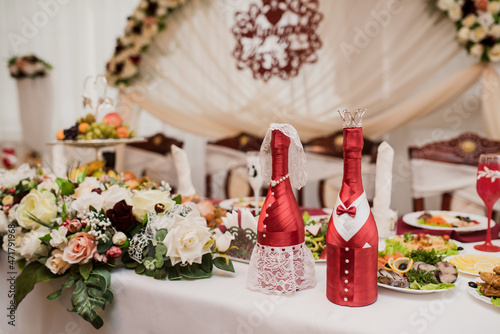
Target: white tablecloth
{"x":222,"y":304}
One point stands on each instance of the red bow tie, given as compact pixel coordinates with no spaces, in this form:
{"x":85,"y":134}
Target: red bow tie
{"x":351,"y":211}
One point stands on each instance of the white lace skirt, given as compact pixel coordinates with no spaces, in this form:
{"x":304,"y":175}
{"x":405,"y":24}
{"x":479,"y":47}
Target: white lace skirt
{"x":281,"y":270}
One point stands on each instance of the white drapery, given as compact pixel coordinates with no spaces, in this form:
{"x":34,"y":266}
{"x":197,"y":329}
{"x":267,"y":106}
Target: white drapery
{"x":380,"y":55}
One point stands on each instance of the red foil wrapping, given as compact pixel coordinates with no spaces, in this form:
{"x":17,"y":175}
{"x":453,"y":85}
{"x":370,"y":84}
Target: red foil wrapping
{"x":352,"y":264}
{"x":280,"y":221}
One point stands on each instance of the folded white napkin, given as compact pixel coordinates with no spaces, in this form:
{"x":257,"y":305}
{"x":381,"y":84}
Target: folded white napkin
{"x":384,"y":216}
{"x":248,"y":220}
{"x":183,"y":169}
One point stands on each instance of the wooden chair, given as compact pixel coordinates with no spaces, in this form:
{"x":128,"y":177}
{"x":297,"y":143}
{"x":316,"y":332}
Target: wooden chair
{"x":236,"y":174}
{"x":157,"y":143}
{"x":464,"y":150}
{"x":332,"y":146}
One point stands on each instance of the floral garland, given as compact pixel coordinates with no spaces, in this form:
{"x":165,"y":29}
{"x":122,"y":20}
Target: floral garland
{"x":29,"y":66}
{"x":142,"y":26}
{"x":55,"y":227}
{"x":478,"y":26}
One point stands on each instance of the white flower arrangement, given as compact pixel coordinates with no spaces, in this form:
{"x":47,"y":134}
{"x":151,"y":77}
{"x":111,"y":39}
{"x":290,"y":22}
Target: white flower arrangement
{"x":29,"y":66}
{"x":478,"y":26}
{"x":143,"y":25}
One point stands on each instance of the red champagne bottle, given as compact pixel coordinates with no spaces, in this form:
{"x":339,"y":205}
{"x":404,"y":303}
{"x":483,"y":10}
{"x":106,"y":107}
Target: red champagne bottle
{"x":352,"y":237}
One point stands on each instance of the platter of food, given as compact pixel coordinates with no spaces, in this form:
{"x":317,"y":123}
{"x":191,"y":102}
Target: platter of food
{"x":472,"y":264}
{"x":405,"y":266}
{"x":315,"y":234}
{"x":446,"y":220}
{"x":487,"y":287}
{"x":242,"y":202}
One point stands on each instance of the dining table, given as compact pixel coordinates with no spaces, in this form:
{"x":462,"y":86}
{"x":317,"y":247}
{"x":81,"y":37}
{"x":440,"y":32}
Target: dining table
{"x":222,"y":304}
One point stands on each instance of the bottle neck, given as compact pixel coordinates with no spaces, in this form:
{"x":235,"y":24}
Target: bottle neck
{"x":279,"y":149}
{"x":353,"y":146}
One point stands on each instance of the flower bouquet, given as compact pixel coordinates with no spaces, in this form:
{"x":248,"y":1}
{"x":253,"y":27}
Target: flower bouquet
{"x":55,"y":227}
{"x":29,"y":66}
{"x":478,"y":26}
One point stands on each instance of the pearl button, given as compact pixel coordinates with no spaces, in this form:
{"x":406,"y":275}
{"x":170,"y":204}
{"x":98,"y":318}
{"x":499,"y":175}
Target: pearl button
{"x":269,"y":205}
{"x":346,"y":281}
{"x":346,"y":261}
{"x":345,"y":299}
{"x":347,"y":272}
{"x":347,"y":249}
{"x":346,"y":289}
{"x":272,"y":193}
{"x":265,"y":226}
{"x":264,"y":235}
{"x":267,"y":215}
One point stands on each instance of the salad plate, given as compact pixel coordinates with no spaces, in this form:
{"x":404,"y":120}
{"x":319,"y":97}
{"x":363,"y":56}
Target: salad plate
{"x":239,"y":203}
{"x":410,"y":291}
{"x":451,"y":220}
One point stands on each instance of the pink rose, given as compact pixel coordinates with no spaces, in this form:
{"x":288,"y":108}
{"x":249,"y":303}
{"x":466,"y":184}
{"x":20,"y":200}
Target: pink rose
{"x":80,"y":249}
{"x":73,"y":225}
{"x":100,"y":257}
{"x":114,"y":252}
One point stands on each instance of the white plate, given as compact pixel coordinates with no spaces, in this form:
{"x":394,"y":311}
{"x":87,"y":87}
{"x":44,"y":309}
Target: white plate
{"x":411,"y":291}
{"x":228,"y":204}
{"x":485,"y":259}
{"x":473,"y":292}
{"x":98,"y":143}
{"x":412,"y":219}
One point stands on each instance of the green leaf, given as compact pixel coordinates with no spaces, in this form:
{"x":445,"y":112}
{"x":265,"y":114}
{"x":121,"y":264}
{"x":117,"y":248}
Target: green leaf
{"x":103,"y":273}
{"x":161,"y":249}
{"x":160,"y":235}
{"x":174,"y":273}
{"x":108,"y":295}
{"x":159,"y":261}
{"x":85,"y":270}
{"x":67,"y":284}
{"x":81,"y":177}
{"x":206,"y":263}
{"x":178,"y":199}
{"x":306,"y":217}
{"x":160,"y":273}
{"x":104,"y":245}
{"x":221,"y":263}
{"x":194,"y":271}
{"x":67,"y":187}
{"x":84,"y":305}
{"x":33,"y":273}
{"x":140,"y":269}
{"x":46,"y":239}
{"x":21,"y":264}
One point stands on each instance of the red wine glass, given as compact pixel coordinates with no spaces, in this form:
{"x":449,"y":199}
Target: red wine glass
{"x":488,"y":188}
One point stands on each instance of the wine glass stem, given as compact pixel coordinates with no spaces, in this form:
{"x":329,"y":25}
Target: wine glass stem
{"x":489,"y":211}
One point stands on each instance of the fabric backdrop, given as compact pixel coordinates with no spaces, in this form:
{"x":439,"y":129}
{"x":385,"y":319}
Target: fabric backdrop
{"x":380,"y":55}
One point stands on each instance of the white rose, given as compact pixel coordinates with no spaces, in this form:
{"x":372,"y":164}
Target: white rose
{"x":129,"y":69}
{"x":493,"y":7}
{"x":13,"y":69}
{"x":56,"y":264}
{"x":144,"y":4}
{"x":48,"y":184}
{"x":161,"y":11}
{"x":8,"y":200}
{"x":139,"y":14}
{"x":476,"y":50}
{"x":119,"y":238}
{"x":11,"y":178}
{"x":485,"y":20}
{"x":31,"y":245}
{"x":59,"y":239}
{"x":12,"y":212}
{"x":469,"y":20}
{"x":495,"y":31}
{"x":29,"y":69}
{"x":82,"y":204}
{"x":41,"y":204}
{"x":16,"y":239}
{"x":114,"y":195}
{"x":224,"y":242}
{"x":186,"y":240}
{"x":463,"y":34}
{"x":455,"y":12}
{"x":494,"y":53}
{"x":4,"y":223}
{"x":145,"y":201}
{"x":87,"y":186}
{"x":477,"y":34}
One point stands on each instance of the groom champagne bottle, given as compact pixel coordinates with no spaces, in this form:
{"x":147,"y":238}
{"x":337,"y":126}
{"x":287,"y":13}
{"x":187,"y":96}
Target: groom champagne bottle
{"x":352,"y":238}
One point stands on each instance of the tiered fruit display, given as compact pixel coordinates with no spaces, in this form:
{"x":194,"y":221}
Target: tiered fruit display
{"x":86,"y":128}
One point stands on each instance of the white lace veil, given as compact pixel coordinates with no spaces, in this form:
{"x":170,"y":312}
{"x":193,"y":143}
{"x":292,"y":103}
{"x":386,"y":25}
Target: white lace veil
{"x":296,"y":156}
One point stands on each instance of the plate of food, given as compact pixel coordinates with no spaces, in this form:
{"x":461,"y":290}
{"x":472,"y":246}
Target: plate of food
{"x":446,"y":220}
{"x":242,"y":202}
{"x":409,"y":241}
{"x":315,"y":235}
{"x":416,"y":271}
{"x":472,"y":264}
{"x":487,"y":287}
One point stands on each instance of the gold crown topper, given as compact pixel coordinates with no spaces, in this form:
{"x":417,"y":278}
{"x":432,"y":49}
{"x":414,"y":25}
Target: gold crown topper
{"x":352,"y":119}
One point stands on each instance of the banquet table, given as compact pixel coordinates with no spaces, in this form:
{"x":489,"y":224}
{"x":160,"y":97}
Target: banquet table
{"x":222,"y":304}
